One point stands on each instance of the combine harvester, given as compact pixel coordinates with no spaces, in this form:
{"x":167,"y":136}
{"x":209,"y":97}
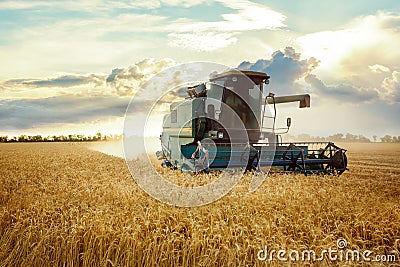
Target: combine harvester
{"x":229,"y":123}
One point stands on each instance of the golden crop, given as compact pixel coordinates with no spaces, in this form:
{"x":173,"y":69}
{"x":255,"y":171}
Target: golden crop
{"x":62,"y":204}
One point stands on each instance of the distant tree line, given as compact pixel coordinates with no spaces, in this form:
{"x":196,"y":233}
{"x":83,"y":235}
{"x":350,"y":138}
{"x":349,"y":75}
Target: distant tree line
{"x":339,"y":137}
{"x":390,"y":139}
{"x":60,"y":138}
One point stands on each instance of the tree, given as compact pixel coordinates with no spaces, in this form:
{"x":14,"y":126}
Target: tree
{"x":36,"y":138}
{"x":304,"y":137}
{"x":351,"y":137}
{"x":22,"y":138}
{"x":387,"y":139}
{"x":336,"y":137}
{"x":363,"y":139}
{"x":374,"y":137}
{"x":98,"y":136}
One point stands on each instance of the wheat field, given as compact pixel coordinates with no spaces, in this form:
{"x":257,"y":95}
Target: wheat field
{"x":62,"y":204}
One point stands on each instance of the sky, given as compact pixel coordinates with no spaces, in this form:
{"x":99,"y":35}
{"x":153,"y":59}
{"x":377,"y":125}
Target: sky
{"x":73,"y":66}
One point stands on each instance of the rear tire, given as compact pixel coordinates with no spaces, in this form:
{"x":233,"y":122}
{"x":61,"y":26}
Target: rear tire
{"x":339,"y":161}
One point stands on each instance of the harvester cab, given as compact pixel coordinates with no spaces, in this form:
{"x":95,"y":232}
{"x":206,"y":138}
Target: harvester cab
{"x":229,"y":122}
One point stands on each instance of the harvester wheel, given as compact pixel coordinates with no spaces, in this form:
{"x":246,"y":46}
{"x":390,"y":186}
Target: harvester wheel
{"x":250,"y":157}
{"x":339,"y":161}
{"x":290,"y":154}
{"x":166,"y":163}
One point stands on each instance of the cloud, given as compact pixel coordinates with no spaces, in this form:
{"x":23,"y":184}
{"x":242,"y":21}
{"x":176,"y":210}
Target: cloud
{"x":83,"y":43}
{"x":249,"y":16}
{"x":83,"y":5}
{"x":212,"y":35}
{"x":33,"y":113}
{"x":365,"y":41}
{"x":137,"y":4}
{"x":378,"y":68}
{"x":185,"y":3}
{"x":202,"y":41}
{"x":13,"y":5}
{"x":360,"y":60}
{"x":126,"y":81}
{"x":76,"y":106}
{"x":342,"y":92}
{"x":391,"y":88}
{"x":285,"y":69}
{"x":103,"y":32}
{"x":63,"y":81}
{"x":111,"y":78}
{"x":92,"y":5}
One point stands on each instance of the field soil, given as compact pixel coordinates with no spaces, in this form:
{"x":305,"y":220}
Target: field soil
{"x":63,"y":204}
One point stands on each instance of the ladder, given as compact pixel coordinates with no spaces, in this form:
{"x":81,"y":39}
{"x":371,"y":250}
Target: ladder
{"x":265,"y":116}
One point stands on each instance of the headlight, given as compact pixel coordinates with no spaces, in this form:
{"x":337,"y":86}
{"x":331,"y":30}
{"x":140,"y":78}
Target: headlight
{"x":220,"y":135}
